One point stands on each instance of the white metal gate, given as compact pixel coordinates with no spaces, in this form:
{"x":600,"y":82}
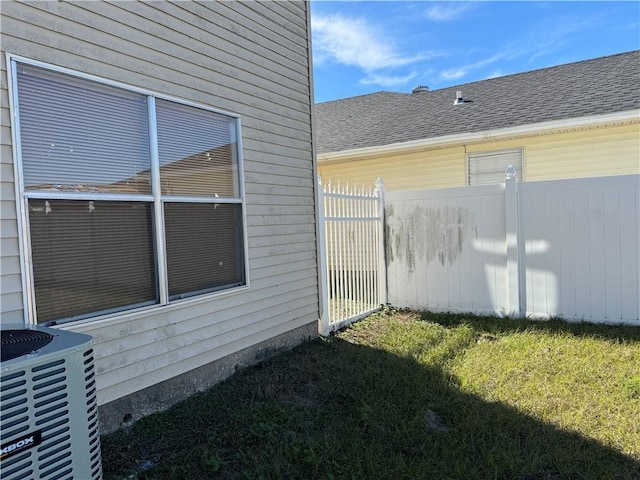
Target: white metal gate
{"x":352,"y":254}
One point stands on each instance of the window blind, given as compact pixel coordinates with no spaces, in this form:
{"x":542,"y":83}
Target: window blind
{"x":78,"y":135}
{"x":98,"y":253}
{"x":204,"y":250}
{"x":196,"y":151}
{"x":90,"y":256}
{"x":488,"y":168}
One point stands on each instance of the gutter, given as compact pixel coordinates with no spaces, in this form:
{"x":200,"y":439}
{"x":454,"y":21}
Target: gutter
{"x":628,"y":117}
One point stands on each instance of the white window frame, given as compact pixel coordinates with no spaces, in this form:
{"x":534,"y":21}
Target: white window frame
{"x":519,"y":172}
{"x":156,"y":197}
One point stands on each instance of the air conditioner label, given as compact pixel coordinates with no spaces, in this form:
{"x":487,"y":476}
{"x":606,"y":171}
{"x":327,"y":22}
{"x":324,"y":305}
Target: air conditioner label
{"x":21,"y":444}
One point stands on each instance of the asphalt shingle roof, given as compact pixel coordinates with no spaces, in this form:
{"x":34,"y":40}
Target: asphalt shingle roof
{"x":591,"y":87}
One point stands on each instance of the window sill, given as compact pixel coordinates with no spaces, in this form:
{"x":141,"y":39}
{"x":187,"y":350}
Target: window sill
{"x":120,"y":318}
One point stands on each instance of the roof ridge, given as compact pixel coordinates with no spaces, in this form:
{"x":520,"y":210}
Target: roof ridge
{"x":538,"y":70}
{"x":380,"y":92}
{"x":461,"y":86}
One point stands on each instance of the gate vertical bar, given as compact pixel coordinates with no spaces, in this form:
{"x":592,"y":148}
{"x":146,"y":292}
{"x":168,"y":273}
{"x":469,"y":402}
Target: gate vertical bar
{"x":341,"y":212}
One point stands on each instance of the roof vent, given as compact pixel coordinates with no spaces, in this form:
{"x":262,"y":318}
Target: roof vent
{"x":459,"y":98}
{"x":420,"y":89}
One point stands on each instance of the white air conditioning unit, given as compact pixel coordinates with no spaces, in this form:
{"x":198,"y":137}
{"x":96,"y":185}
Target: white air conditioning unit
{"x":48,"y":407}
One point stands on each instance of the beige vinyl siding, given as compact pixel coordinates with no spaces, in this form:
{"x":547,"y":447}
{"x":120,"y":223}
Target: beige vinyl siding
{"x":201,"y":47}
{"x":590,"y":152}
{"x":11,"y":310}
{"x":435,"y":168}
{"x":248,"y":58}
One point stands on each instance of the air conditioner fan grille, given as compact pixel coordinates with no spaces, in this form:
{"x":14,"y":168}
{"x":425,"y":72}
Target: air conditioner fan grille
{"x":16,"y":343}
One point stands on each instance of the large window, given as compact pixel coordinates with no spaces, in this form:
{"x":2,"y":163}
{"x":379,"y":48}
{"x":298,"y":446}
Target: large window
{"x":130,"y":199}
{"x":487,"y":168}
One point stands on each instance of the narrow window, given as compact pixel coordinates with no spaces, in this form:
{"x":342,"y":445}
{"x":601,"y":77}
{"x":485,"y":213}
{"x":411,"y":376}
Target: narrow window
{"x":487,"y":168}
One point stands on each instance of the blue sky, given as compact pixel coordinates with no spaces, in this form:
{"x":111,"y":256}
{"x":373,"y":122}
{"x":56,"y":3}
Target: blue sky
{"x":362,"y":47}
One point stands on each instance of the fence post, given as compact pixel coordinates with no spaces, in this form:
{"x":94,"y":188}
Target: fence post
{"x":515,"y":251}
{"x":323,"y":328}
{"x":382,"y":261}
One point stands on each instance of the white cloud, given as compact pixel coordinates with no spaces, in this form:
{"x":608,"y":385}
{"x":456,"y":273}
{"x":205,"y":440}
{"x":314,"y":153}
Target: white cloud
{"x":387,"y":81}
{"x":453,"y":74}
{"x":355,"y":42}
{"x":541,"y":40}
{"x":459,"y":72}
{"x":551,"y":35}
{"x":496,"y":74}
{"x":447,"y":11}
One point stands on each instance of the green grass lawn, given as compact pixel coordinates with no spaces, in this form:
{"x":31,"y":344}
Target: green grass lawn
{"x":410,"y":396}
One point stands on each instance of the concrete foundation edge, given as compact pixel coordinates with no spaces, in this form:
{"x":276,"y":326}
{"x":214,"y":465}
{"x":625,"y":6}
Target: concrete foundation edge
{"x":124,"y":411}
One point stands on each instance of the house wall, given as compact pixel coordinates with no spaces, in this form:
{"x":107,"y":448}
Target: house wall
{"x":10,"y":280}
{"x":437,"y":168}
{"x":592,"y":152}
{"x":249,"y":58}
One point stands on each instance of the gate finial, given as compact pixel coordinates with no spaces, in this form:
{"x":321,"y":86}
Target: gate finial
{"x":379,"y":185}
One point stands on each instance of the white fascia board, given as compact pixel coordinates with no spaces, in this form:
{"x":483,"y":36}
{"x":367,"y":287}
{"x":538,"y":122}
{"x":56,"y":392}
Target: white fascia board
{"x":532,"y":129}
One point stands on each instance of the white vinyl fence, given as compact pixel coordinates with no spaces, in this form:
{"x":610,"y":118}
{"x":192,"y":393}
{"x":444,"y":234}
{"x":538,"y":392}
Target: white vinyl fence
{"x":352,"y":254}
{"x":567,"y":248}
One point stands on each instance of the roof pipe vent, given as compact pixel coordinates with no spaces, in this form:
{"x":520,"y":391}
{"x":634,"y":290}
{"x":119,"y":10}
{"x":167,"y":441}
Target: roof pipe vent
{"x":459,"y":98}
{"x":420,"y":89}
